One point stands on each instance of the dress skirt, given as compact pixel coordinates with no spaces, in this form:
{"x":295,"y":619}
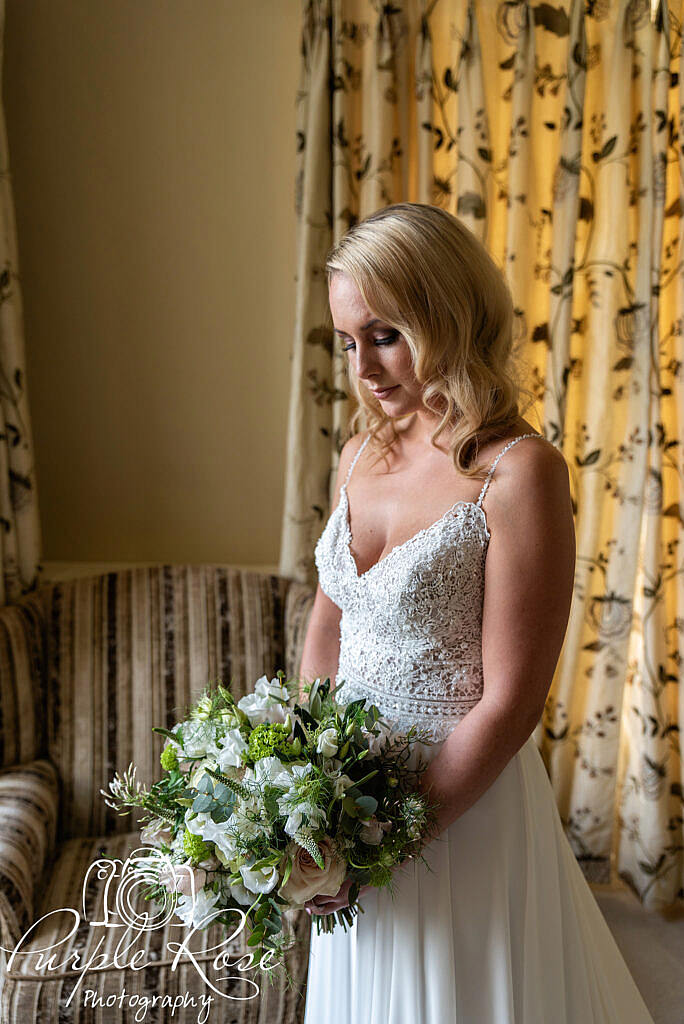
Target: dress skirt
{"x":501,"y":928}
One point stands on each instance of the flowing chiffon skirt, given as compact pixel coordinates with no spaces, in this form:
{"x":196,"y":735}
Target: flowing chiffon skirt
{"x":501,"y":929}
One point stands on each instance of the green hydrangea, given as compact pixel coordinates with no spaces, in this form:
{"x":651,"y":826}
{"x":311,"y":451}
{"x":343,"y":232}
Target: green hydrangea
{"x":269,"y":740}
{"x":195,"y":847}
{"x":169,"y":759}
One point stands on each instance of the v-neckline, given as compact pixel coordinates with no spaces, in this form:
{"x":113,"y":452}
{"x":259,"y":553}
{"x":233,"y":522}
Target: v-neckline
{"x":397,"y":547}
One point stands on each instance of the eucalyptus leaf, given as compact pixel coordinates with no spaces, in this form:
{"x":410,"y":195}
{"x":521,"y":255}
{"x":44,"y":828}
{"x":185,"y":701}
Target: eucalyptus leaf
{"x":367,"y":804}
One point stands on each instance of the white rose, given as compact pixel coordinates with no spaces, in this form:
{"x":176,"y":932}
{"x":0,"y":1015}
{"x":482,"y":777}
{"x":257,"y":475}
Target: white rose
{"x":308,"y":880}
{"x":327,"y":743}
{"x":341,"y":784}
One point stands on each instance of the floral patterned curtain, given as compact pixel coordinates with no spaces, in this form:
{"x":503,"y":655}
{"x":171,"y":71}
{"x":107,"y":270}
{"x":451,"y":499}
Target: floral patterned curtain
{"x":555,"y":133}
{"x":20,"y":540}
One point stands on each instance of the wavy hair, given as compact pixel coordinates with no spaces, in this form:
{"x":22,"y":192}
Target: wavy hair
{"x":423,"y":272}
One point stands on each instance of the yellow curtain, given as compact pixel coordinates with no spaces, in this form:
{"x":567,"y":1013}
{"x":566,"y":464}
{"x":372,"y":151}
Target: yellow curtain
{"x":20,"y":538}
{"x":554,"y":133}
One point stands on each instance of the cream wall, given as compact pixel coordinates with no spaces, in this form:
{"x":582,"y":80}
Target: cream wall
{"x":152,"y":151}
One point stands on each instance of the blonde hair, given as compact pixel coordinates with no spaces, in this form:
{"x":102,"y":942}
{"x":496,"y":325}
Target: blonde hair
{"x":423,"y":272}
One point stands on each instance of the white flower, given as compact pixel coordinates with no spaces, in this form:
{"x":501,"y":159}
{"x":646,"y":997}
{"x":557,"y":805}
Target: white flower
{"x":314,"y":815}
{"x":268,"y":769}
{"x":246,"y":820}
{"x":239,"y":893}
{"x":157,"y":832}
{"x":373,"y":831}
{"x":261,"y":880}
{"x":327,"y":743}
{"x":290,"y":773}
{"x":199,"y":771}
{"x":341,"y":784}
{"x":197,"y":912}
{"x":203,"y":825}
{"x":376,"y":743}
{"x":265,"y":704}
{"x":199,"y":738}
{"x":292,"y":803}
{"x":229,"y":750}
{"x":183,"y":878}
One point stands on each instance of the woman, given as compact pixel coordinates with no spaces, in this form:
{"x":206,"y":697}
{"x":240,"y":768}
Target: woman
{"x":452,"y":620}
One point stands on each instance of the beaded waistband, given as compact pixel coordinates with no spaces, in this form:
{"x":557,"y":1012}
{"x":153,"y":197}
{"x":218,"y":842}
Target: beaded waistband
{"x":418,"y":707}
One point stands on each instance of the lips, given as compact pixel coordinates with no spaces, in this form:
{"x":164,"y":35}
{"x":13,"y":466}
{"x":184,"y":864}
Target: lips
{"x":381,"y":392}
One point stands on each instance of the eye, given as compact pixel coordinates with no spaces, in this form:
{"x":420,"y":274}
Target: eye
{"x":385,"y":340}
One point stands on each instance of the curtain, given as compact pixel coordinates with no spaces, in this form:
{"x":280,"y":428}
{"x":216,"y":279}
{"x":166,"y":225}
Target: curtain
{"x":555,"y":133}
{"x":20,"y":540}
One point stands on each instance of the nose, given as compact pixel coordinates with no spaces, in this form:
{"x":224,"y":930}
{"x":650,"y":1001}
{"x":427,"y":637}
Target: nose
{"x":366,"y":362}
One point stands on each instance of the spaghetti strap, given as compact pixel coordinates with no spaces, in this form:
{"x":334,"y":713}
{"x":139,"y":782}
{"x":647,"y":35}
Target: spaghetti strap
{"x":353,"y":461}
{"x":493,"y":465}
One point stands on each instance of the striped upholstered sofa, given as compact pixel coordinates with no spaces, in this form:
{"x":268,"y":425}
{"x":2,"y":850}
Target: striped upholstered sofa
{"x":87,"y":667}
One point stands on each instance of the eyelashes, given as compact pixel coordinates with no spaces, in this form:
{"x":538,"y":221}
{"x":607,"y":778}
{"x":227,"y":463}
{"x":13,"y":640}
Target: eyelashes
{"x":385,"y":340}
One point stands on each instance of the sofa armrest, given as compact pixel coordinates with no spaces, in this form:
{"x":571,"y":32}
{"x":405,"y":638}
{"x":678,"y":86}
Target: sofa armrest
{"x":29,"y":804}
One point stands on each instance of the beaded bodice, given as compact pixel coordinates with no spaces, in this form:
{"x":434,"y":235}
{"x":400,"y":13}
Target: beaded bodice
{"x":411,"y":625}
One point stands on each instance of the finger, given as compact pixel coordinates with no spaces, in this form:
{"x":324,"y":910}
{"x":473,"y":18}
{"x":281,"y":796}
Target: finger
{"x":327,"y":909}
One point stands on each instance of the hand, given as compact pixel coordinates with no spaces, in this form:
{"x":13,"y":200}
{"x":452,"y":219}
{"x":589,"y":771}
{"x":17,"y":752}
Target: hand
{"x":330,"y":904}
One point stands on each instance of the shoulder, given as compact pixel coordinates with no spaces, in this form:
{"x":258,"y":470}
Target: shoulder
{"x":530,"y":488}
{"x":347,"y":455}
{"x":532,"y":459}
{"x":351,"y":449}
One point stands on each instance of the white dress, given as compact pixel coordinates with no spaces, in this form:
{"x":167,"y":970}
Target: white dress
{"x":503,"y":928}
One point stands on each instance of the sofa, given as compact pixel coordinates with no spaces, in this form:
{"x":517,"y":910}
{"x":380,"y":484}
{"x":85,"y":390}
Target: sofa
{"x":87,"y":667}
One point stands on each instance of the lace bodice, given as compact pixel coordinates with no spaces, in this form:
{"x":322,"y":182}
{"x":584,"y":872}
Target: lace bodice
{"x":411,"y":625}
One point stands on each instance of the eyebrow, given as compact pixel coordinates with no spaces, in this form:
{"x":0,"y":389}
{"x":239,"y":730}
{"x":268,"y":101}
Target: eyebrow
{"x":364,"y":327}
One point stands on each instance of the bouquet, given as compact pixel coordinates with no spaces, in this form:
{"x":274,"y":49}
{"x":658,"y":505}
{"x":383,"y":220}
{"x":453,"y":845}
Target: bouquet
{"x":267,"y":802}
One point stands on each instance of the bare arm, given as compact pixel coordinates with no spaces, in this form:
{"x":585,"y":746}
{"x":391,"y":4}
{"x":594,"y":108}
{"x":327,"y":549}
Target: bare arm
{"x":321,"y":650}
{"x":529,"y":574}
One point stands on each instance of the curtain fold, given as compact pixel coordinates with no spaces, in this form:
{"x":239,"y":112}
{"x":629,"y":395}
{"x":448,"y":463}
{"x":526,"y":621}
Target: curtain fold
{"x":555,"y":134}
{"x":20,"y":538}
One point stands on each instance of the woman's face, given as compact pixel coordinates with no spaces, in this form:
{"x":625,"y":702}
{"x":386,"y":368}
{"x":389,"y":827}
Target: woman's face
{"x":377,"y":352}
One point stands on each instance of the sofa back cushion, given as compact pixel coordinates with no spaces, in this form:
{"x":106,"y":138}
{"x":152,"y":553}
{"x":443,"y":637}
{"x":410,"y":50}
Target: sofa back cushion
{"x":132,"y":649}
{"x":23,"y":638}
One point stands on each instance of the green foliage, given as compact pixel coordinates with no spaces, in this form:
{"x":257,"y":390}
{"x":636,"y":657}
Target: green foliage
{"x":169,"y":759}
{"x":270,"y":739}
{"x":195,"y":847}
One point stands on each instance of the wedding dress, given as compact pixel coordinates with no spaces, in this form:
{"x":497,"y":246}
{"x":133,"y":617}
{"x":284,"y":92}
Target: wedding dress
{"x":502,"y":928}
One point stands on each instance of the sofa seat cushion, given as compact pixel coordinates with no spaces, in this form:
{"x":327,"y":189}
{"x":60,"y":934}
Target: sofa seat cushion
{"x":105,"y":969}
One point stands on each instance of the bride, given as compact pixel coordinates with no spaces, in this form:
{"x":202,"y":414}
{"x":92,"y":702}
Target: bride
{"x":452,"y":620}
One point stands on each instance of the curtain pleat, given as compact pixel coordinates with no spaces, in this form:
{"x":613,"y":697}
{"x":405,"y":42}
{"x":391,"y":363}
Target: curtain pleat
{"x":20,"y":537}
{"x":555,"y":134}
